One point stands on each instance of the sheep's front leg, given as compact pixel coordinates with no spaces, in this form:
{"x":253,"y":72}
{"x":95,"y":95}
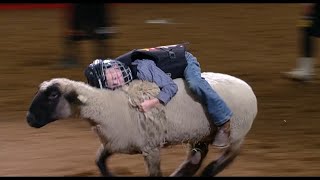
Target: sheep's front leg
{"x":152,"y":160}
{"x":102,"y":156}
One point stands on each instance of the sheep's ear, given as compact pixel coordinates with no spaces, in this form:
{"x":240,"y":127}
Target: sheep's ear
{"x":74,"y":98}
{"x":82,"y":99}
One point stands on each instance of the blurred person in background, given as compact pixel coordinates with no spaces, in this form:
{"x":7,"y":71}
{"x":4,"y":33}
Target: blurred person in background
{"x":309,"y":25}
{"x":86,"y":21}
{"x":161,"y":65}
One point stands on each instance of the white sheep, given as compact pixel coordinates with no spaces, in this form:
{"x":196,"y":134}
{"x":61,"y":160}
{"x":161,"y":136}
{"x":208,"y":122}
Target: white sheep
{"x":123,"y":129}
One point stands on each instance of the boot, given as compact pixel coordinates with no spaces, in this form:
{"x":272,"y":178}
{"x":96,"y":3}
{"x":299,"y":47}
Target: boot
{"x":222,"y":138}
{"x":304,"y":70}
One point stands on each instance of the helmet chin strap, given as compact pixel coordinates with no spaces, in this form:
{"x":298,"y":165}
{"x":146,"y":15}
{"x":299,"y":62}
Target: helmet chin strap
{"x":102,"y":72}
{"x":100,"y":84}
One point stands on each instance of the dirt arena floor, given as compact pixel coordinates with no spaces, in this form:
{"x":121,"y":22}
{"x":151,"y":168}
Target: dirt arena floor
{"x":255,"y":42}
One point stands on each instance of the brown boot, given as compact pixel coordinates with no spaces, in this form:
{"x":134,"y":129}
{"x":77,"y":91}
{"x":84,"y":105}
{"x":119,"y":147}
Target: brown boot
{"x":222,"y":138}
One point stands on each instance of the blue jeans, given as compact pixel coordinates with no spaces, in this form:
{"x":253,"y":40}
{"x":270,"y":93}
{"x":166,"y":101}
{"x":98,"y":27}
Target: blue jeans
{"x":217,"y":108}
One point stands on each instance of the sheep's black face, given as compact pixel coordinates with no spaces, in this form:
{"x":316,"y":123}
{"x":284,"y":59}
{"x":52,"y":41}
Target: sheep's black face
{"x":43,"y":107}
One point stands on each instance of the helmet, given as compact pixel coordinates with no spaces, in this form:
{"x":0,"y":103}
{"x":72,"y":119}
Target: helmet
{"x":95,"y":72}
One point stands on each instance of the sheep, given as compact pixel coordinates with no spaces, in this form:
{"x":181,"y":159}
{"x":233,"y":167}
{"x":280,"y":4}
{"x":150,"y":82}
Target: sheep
{"x":121,"y":128}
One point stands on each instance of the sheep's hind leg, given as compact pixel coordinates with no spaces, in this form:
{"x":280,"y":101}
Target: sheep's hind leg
{"x":152,"y":160}
{"x":194,"y":160}
{"x":102,"y":156}
{"x":215,"y":167}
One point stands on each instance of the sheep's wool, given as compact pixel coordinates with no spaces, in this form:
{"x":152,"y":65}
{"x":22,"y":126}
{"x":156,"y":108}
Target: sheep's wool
{"x":155,"y":120}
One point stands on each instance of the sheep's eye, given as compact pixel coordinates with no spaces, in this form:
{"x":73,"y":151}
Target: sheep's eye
{"x":53,"y":95}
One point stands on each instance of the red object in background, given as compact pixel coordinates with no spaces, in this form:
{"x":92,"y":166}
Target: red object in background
{"x":13,"y":6}
{"x":26,"y":6}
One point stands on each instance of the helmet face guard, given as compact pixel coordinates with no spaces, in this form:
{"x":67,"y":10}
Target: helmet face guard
{"x":95,"y":72}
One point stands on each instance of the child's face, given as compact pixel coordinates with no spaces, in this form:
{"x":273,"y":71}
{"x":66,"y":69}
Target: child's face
{"x":114,"y":77}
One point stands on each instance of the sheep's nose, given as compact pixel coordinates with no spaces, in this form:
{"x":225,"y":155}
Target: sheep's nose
{"x":30,"y":117}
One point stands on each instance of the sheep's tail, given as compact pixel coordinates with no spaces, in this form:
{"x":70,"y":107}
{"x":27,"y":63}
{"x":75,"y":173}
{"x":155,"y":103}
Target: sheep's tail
{"x":223,"y":161}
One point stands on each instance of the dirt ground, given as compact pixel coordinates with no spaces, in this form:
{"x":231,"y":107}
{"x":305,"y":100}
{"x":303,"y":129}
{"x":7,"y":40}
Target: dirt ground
{"x":255,"y":42}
